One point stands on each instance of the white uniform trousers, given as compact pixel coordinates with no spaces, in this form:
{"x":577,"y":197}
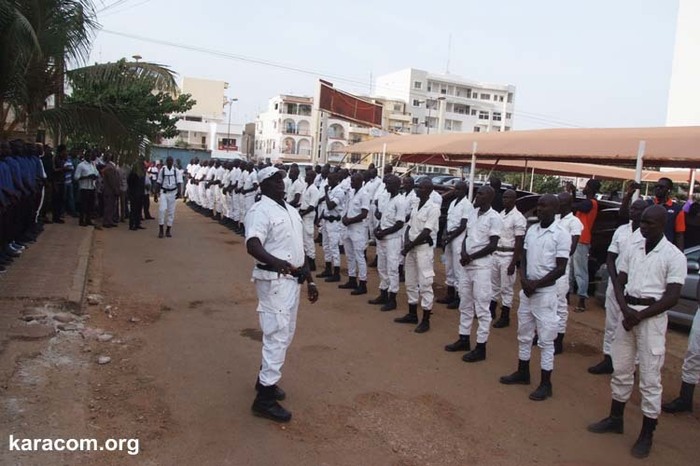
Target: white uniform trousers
{"x":309,"y":246}
{"x":419,"y":276}
{"x":202,"y":194}
{"x":166,"y":203}
{"x":613,"y":315}
{"x":355,"y":245}
{"x":189,"y":191}
{"x":562,"y":287}
{"x":538,"y":312}
{"x":331,"y":242}
{"x":373,"y":222}
{"x":241,"y":206}
{"x":235,"y":207}
{"x":501,"y":283}
{"x":215,"y":195}
{"x":249,"y":201}
{"x":388,"y":254}
{"x":453,"y":269}
{"x":647,"y":343}
{"x":278,"y":302}
{"x":691,"y":363}
{"x":474,"y":297}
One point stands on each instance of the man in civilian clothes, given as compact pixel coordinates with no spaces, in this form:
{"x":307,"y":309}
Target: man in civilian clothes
{"x":586,"y":211}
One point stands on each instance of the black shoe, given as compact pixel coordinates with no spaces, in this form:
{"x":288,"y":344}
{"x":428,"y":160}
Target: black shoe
{"x":326,"y":272}
{"x":390,"y":304}
{"x":504,"y":320}
{"x":559,"y":344}
{"x":449,"y":297}
{"x":279,"y":394}
{"x":682,"y":404}
{"x":642,"y":447}
{"x":454,"y":304}
{"x":351,"y":284}
{"x":167,"y":233}
{"x":611,"y":424}
{"x":335,"y":277}
{"x":424,"y":325}
{"x":479,"y":354}
{"x":381,"y":299}
{"x":462,"y":344}
{"x":544,"y":390}
{"x":519,"y":377}
{"x":160,"y":232}
{"x":603,"y":367}
{"x":266,"y":406}
{"x":361,"y":289}
{"x":411,"y":317}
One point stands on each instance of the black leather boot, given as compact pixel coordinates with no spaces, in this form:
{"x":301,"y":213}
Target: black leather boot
{"x":479,"y":353}
{"x":642,"y":447}
{"x":448,"y":297}
{"x":312,"y":264}
{"x":603,"y":367}
{"x":504,"y":320}
{"x":411,"y":317}
{"x":326,"y":272}
{"x":463,"y":344}
{"x":167,"y":232}
{"x":424,"y":325}
{"x":266,"y":406}
{"x":612,"y":424}
{"x":381,"y":299}
{"x":559,"y":343}
{"x":492,"y":308}
{"x":279,"y":393}
{"x":390,"y":304}
{"x":335,"y":277}
{"x":684,"y":402}
{"x":454,"y":304}
{"x":544,"y":390}
{"x":361,"y":288}
{"x":351,"y":284}
{"x":160,"y":231}
{"x":520,"y":377}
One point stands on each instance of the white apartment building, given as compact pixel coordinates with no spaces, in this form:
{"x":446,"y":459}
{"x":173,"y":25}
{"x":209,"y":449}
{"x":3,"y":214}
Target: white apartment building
{"x":684,"y":97}
{"x":206,"y":126}
{"x":446,"y":103}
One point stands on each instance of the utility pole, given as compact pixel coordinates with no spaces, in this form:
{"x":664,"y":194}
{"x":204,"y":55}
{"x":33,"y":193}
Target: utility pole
{"x":228,"y":135}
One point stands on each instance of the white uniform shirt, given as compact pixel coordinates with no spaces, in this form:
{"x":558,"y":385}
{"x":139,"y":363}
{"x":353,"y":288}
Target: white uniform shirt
{"x":153,"y":172}
{"x":249,"y":182}
{"x":244,"y":178}
{"x":280,"y":231}
{"x":168,"y":178}
{"x":371,"y":186}
{"x":543,"y":247}
{"x":458,"y":210}
{"x":297,"y":187}
{"x":393,"y":210}
{"x":211,"y":171}
{"x":287,"y":187}
{"x":424,"y":217}
{"x":436,"y":198}
{"x":85,"y":168}
{"x":338,"y":196}
{"x":309,"y":198}
{"x":357,"y":202}
{"x":480,"y":228}
{"x":235,"y":176}
{"x":219,"y":173}
{"x":514,"y":224}
{"x":201,"y":172}
{"x":648,"y":274}
{"x":411,"y":201}
{"x":622,"y":238}
{"x":227,"y":178}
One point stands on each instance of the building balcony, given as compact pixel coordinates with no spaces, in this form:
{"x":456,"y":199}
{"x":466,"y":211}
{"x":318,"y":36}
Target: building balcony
{"x":296,"y":132}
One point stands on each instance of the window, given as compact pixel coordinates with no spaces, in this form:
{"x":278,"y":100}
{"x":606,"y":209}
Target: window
{"x":415,"y":120}
{"x":416,"y":103}
{"x":496,"y":116}
{"x":477,"y":129}
{"x":510,"y":97}
{"x":483,"y":115}
{"x":485,"y":96}
{"x":277,"y":106}
{"x":508,"y":116}
{"x":397,"y":107}
{"x":204,"y":141}
{"x":417,"y":85}
{"x":193,"y":118}
{"x":473,"y":112}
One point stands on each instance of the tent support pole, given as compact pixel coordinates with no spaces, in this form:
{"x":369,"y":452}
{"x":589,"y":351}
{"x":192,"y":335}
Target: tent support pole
{"x":472,"y":173}
{"x":522,"y":179}
{"x":692,"y":184}
{"x":532,"y":179}
{"x":383,"y":158}
{"x":640,"y":164}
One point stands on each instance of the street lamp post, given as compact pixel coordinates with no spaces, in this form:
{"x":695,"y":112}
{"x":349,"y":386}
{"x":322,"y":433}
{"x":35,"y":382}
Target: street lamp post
{"x":228,"y":133}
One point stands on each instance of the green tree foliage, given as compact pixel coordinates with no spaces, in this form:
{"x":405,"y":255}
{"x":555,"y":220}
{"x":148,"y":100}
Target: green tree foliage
{"x":542,"y":183}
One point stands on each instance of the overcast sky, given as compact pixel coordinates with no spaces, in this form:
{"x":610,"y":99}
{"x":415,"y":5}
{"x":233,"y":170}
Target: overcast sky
{"x":596,"y":63}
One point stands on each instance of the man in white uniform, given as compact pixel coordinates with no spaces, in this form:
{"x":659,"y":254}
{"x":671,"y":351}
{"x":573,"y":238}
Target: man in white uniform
{"x":169,"y":181}
{"x":355,"y":221}
{"x":235,"y":204}
{"x":505,"y":259}
{"x":546,"y":252}
{"x":333,"y":211}
{"x":391,"y":210}
{"x":250,"y":187}
{"x":483,"y":230}
{"x":691,"y":369}
{"x":621,"y":240}
{"x":274,"y":238}
{"x":372,"y":183}
{"x":307,"y":210}
{"x":297,"y":187}
{"x":452,"y":241}
{"x":650,"y":277}
{"x":419,"y":241}
{"x":573,"y":226}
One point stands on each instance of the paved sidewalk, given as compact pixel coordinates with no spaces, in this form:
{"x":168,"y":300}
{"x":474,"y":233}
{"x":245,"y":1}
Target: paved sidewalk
{"x":53,"y":268}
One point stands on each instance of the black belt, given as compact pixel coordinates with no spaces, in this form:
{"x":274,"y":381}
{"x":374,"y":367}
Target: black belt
{"x":503,"y":249}
{"x":332,"y":219}
{"x":300,"y":273}
{"x":168,"y":190}
{"x":639,"y":301}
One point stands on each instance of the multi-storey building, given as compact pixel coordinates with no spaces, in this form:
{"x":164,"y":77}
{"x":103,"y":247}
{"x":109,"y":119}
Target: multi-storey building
{"x":445,"y":103}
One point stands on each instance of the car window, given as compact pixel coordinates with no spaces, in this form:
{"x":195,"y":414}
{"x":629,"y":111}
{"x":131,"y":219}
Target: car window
{"x":693,"y":255}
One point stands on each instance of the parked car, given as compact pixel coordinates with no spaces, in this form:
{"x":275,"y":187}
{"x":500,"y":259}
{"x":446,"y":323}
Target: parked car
{"x":682,"y":313}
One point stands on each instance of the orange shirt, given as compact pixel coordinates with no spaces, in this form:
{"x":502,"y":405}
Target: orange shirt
{"x":588,"y":219}
{"x":679,"y":224}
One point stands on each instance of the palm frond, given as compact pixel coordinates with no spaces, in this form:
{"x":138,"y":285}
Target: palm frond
{"x":161,"y":77}
{"x":90,"y":120}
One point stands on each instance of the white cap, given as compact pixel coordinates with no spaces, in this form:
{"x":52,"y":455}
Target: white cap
{"x":267,"y":172}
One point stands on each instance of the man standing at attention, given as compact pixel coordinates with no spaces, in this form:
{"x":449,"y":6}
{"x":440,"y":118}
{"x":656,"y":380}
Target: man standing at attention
{"x":169,"y":185}
{"x":356,"y":235}
{"x":273,"y":232}
{"x":649,"y":281}
{"x":307,"y":210}
{"x":452,"y":241}
{"x":586,"y":211}
{"x":506,"y":258}
{"x":419,"y":240}
{"x":546,"y":251}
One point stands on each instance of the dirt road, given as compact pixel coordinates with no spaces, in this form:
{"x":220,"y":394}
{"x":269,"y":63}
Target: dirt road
{"x":362,"y":389}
